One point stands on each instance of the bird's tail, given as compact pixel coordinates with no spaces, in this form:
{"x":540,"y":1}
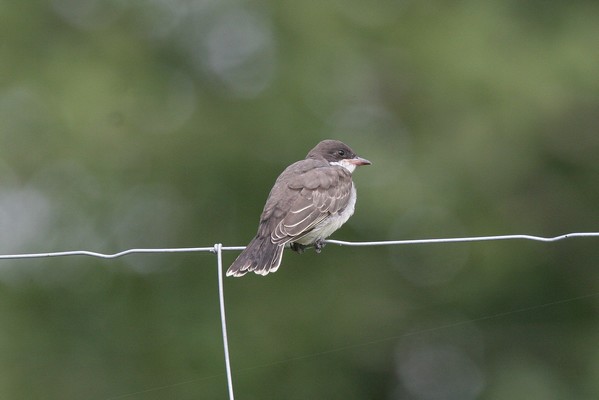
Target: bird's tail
{"x":260,"y":256}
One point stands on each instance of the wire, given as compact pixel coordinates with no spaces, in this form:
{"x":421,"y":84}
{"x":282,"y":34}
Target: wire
{"x":337,"y":242}
{"x":367,"y":343}
{"x":221,"y":297}
{"x":116,"y":255}
{"x":219,"y":248}
{"x":467,"y":239}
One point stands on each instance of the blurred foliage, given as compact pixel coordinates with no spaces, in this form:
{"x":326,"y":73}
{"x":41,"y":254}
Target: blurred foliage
{"x":164,"y":123}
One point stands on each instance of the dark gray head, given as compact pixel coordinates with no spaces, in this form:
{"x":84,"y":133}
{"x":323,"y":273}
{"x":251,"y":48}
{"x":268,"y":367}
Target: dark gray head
{"x":337,"y":153}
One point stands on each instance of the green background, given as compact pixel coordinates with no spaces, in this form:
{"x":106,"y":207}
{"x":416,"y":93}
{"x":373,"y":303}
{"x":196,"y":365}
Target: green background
{"x":164,"y":123}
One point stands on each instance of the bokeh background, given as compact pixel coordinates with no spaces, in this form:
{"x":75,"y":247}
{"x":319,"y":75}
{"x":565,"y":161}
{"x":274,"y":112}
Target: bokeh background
{"x":163,"y":123}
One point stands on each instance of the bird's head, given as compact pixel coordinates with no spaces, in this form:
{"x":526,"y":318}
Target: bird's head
{"x":337,"y":153}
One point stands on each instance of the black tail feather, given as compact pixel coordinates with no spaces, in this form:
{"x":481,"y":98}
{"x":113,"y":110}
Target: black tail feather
{"x":260,"y":256}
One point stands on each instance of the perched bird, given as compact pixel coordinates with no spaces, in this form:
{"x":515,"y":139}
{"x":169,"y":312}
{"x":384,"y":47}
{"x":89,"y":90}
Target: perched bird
{"x":309,"y":201}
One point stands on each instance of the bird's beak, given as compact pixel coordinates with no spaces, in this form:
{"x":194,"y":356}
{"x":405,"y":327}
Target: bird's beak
{"x":359,"y":161}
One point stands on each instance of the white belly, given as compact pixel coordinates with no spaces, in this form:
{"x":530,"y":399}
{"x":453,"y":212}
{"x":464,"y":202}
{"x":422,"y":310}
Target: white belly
{"x":330,"y":224}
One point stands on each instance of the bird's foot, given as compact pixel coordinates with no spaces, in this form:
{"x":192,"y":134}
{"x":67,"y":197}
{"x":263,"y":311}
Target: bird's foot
{"x":298,"y":248}
{"x":319,"y":245}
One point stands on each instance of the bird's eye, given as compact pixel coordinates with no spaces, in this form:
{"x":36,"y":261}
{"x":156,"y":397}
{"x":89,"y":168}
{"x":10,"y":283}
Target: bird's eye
{"x":341,"y":152}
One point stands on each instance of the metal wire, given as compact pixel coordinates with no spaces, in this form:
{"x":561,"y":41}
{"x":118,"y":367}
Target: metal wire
{"x":467,"y":239}
{"x":219,"y":248}
{"x":337,"y":242}
{"x":221,"y":297}
{"x":119,"y":254}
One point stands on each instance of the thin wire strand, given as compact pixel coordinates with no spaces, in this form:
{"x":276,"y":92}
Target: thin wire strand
{"x":417,"y":332}
{"x":223,"y":320}
{"x":119,"y":254}
{"x":337,"y":242}
{"x":422,"y":331}
{"x":219,"y":248}
{"x":467,"y":239}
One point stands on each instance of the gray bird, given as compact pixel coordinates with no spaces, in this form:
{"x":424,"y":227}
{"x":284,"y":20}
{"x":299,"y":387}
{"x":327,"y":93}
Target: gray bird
{"x":309,"y":201}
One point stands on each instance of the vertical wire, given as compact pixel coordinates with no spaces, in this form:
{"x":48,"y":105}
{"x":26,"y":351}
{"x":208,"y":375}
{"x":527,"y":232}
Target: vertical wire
{"x":219,"y":256}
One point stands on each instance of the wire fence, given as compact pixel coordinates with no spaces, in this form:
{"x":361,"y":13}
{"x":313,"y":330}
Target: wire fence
{"x":218,"y":248}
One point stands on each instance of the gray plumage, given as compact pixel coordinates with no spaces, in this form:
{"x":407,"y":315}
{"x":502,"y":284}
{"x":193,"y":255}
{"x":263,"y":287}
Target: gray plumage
{"x":310,"y":200}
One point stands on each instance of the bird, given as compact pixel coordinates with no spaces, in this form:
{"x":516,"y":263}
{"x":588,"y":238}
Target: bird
{"x":310,"y":200}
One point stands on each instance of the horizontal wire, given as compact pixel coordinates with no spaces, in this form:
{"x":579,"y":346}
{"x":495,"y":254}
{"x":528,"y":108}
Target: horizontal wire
{"x":467,"y":239}
{"x":116,"y":255}
{"x":213,"y":250}
{"x":218,"y":249}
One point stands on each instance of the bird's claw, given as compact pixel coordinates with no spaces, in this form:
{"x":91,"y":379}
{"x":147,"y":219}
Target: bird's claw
{"x":298,"y":248}
{"x":319,"y":245}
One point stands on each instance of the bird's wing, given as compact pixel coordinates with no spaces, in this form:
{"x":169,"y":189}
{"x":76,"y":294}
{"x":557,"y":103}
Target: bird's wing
{"x":311,"y":196}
